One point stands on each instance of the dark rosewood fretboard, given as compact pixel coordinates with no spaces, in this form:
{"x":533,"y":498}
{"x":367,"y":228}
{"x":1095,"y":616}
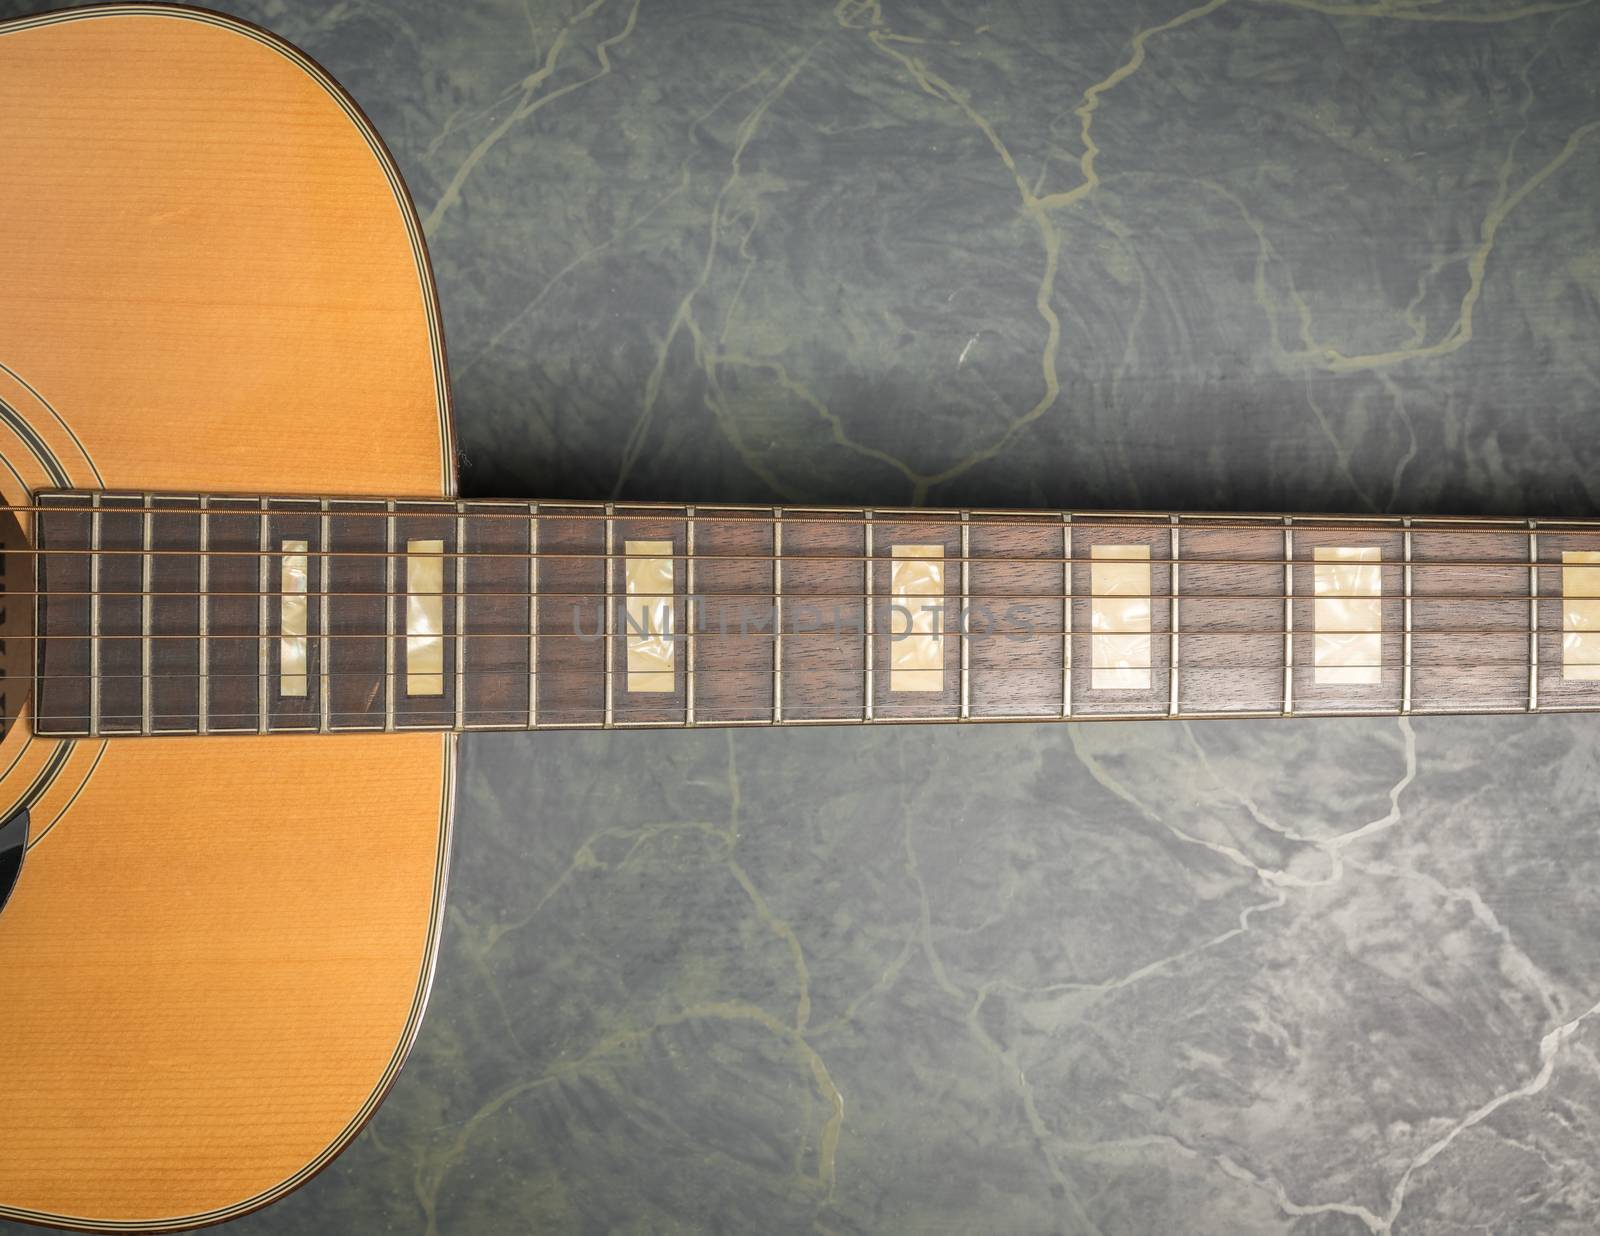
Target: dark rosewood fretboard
{"x":169,"y":615}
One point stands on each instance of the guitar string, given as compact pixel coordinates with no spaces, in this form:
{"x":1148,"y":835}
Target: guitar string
{"x":883,"y":597}
{"x":417,"y":706}
{"x":1156,"y":698}
{"x":802,"y":558}
{"x":923,"y":517}
{"x":523,"y":672}
{"x":1521,"y":632}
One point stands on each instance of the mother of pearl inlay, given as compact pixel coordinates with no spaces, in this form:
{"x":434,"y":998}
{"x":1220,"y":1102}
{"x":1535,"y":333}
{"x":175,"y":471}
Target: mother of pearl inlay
{"x":1580,"y":615}
{"x":425,"y":617}
{"x":916,"y":618}
{"x":292,"y":619}
{"x":652,"y":651}
{"x":1119,"y":618}
{"x":1348,"y":614}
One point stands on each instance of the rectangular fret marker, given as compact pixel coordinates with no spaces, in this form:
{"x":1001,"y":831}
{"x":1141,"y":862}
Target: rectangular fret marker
{"x":1580,"y":615}
{"x":652,"y":652}
{"x":1347,"y":582}
{"x":1119,"y":618}
{"x":292,"y":619}
{"x":916,"y":618}
{"x":425,"y":617}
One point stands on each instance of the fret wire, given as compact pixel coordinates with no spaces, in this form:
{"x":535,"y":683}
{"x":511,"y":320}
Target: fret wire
{"x":263,"y":653}
{"x":866,"y":614}
{"x":610,"y":624}
{"x":1172,"y":624}
{"x":145,"y":615}
{"x":94,"y":618}
{"x":205,"y":616}
{"x":966,"y":602}
{"x":533,"y":615}
{"x":458,"y":646}
{"x":688,"y":617}
{"x":1533,"y":615}
{"x":1288,"y":616}
{"x":1405,"y":689}
{"x":777,"y":614}
{"x":388,"y":619}
{"x":1066,"y":614}
{"x":324,"y":608}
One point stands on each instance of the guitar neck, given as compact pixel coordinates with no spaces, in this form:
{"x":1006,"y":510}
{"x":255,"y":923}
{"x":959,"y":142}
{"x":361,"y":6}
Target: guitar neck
{"x":162,"y":615}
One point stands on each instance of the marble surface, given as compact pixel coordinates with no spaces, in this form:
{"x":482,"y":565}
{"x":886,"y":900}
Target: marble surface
{"x":1249,"y":979}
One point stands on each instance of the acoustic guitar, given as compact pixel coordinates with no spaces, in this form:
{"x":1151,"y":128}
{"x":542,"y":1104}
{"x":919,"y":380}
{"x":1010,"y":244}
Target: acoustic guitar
{"x":246,"y":616}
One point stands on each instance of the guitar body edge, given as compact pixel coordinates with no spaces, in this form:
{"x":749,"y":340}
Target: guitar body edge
{"x":218,"y":951}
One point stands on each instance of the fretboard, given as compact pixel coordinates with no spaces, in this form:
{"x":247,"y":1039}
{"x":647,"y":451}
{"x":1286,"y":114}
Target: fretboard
{"x":186,"y":614}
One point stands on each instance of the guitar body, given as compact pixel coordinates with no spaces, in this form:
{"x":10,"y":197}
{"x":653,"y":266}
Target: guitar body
{"x":218,"y":949}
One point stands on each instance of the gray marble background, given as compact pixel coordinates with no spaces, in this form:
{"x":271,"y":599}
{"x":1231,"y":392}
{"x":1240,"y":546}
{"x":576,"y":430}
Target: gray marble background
{"x":1308,"y":979}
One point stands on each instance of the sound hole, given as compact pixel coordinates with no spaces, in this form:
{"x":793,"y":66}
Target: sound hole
{"x":16,"y":620}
